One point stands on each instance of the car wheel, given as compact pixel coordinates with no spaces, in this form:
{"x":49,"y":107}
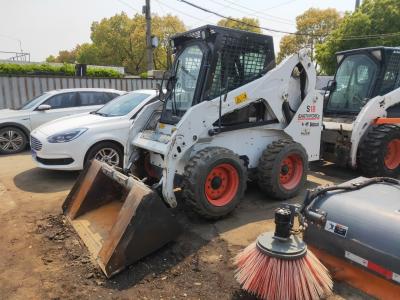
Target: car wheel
{"x":12,"y":140}
{"x":107,"y":152}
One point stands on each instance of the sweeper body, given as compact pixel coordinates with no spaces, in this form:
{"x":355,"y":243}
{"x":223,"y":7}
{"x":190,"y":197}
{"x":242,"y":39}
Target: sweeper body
{"x":228,"y":115}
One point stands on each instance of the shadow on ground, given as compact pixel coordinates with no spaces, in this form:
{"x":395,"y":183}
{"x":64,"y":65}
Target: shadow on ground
{"x":38,"y":180}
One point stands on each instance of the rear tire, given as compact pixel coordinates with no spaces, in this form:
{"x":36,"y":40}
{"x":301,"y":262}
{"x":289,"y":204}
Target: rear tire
{"x":214,"y":182}
{"x":12,"y":140}
{"x":282,"y":169}
{"x":379,"y":151}
{"x":107,"y":152}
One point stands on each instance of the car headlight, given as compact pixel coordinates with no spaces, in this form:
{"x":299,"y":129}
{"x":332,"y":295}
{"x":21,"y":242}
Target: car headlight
{"x":66,"y":136}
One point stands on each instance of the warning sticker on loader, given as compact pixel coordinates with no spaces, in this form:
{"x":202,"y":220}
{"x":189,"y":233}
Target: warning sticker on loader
{"x":241,"y":98}
{"x":336,"y":228}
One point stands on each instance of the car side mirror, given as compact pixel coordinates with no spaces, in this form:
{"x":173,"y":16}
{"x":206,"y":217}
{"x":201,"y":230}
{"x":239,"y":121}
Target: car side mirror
{"x":43,"y":107}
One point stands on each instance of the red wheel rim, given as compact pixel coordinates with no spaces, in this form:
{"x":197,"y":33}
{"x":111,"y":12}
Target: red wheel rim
{"x":392,"y":157}
{"x":291,"y":171}
{"x":221,"y":184}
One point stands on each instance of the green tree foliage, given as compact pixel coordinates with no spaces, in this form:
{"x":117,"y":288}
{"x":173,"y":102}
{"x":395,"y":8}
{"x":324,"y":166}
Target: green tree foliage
{"x":312,"y":27}
{"x":372,"y":17}
{"x":238,"y":25}
{"x":121,"y":40}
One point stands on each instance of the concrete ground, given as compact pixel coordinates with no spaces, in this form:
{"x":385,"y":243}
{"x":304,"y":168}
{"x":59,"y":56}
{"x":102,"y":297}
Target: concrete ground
{"x":38,"y":262}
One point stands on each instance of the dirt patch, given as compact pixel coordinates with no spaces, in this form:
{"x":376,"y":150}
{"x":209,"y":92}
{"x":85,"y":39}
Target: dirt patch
{"x":190,"y":268}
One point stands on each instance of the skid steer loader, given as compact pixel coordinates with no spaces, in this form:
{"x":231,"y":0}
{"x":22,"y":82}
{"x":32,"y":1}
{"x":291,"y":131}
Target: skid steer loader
{"x":228,"y":114}
{"x":362,"y":112}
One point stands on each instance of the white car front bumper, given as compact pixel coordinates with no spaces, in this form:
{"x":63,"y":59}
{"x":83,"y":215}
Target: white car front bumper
{"x":57,"y":156}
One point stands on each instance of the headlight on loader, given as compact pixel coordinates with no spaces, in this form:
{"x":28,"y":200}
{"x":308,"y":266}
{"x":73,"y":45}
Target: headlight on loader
{"x":66,"y":136}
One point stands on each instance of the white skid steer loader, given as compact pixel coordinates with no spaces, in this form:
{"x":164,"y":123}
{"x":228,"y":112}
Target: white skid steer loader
{"x":229,"y":114}
{"x":362,"y":112}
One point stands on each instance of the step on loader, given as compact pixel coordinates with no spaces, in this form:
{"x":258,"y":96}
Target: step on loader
{"x":229,"y":115}
{"x":362,"y":112}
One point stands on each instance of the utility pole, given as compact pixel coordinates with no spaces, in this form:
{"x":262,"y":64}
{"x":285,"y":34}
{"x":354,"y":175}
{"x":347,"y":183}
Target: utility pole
{"x":357,"y":4}
{"x":149,"y":46}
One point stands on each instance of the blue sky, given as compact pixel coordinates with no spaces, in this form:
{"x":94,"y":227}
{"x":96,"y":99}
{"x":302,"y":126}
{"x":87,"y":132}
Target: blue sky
{"x":46,"y":26}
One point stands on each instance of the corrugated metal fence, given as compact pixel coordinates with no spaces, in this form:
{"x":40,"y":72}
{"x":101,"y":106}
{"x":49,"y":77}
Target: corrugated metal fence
{"x":16,"y":90}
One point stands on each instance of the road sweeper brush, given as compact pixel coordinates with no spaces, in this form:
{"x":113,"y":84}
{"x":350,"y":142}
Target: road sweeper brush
{"x":223,"y":88}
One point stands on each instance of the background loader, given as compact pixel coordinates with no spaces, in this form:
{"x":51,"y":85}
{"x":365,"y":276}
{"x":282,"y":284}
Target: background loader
{"x":228,"y":115}
{"x":362,"y":112}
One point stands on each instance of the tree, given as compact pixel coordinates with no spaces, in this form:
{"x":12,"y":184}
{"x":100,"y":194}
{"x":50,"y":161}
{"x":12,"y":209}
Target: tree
{"x":312,"y":27}
{"x":88,"y":54}
{"x":254,"y":23}
{"x":373,"y":17}
{"x":121,"y":40}
{"x":64,"y":56}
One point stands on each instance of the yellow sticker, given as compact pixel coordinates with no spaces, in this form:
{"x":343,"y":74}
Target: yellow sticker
{"x":161,"y":125}
{"x":241,"y":98}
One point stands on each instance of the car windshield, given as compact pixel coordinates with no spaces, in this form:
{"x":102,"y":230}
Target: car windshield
{"x":122,"y":105}
{"x":354,"y":78}
{"x":34,"y":102}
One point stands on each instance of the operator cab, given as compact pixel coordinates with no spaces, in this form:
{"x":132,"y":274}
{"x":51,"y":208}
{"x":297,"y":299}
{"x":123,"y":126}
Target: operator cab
{"x":211,"y":61}
{"x":361,"y":75}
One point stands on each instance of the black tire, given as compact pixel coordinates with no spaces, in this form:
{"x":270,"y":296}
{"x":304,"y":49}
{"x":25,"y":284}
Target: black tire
{"x":374,"y":148}
{"x":14,"y":144}
{"x":271,"y":175}
{"x":198,"y":173}
{"x":107,"y":146}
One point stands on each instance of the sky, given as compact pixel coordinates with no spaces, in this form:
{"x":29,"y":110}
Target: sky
{"x":46,"y":26}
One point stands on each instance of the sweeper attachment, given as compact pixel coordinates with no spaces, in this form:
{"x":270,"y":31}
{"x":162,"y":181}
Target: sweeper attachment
{"x":279,"y":265}
{"x":359,"y":240}
{"x":119,"y":219}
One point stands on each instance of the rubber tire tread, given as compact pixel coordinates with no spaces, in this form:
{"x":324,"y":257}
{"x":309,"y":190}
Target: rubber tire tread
{"x":268,"y":171}
{"x":197,"y":170}
{"x":372,"y":150}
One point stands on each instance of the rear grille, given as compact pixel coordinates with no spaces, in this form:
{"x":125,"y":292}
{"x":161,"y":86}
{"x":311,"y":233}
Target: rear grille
{"x":36,"y":144}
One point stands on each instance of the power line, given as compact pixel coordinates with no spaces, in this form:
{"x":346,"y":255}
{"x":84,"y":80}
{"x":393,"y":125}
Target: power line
{"x":128,"y":5}
{"x":279,"y":5}
{"x":373,"y":36}
{"x":253,"y":14}
{"x":245,"y":23}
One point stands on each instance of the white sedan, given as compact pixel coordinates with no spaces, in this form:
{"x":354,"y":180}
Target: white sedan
{"x":16,"y":124}
{"x":68,"y":143}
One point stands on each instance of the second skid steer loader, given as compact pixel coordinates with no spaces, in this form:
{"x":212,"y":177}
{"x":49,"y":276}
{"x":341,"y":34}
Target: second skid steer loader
{"x":362,"y":112}
{"x":229,"y":114}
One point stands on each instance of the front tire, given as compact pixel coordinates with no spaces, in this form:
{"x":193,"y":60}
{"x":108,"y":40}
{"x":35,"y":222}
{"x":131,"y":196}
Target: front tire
{"x":107,"y":152}
{"x":379,"y":153}
{"x":214,"y":182}
{"x":12,"y":140}
{"x":282,"y":169}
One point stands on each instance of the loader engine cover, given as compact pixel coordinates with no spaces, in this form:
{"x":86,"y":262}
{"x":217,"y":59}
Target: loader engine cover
{"x":360,"y":241}
{"x":119,"y":219}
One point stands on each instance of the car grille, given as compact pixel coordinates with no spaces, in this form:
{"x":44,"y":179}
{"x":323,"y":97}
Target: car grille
{"x":36,"y":144}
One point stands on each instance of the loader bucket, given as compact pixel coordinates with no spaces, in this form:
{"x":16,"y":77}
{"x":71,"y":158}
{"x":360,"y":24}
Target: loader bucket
{"x":119,"y":219}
